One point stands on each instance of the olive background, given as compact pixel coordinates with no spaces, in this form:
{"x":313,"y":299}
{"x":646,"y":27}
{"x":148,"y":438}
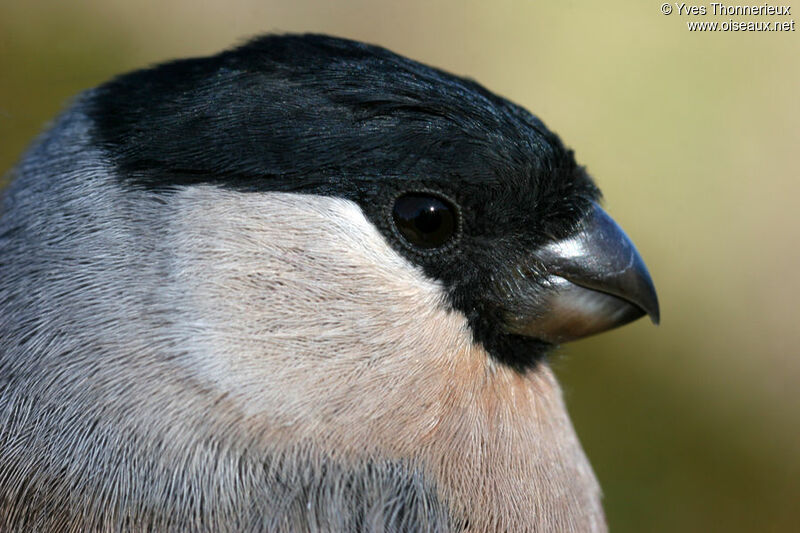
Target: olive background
{"x":693,"y":137}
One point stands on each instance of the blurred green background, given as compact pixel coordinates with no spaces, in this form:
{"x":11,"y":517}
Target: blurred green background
{"x":692,"y":426}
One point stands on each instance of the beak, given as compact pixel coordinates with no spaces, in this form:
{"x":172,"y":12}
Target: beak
{"x":595,"y":281}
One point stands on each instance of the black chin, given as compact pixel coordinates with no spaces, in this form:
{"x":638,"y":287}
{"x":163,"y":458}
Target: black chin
{"x":519,"y":352}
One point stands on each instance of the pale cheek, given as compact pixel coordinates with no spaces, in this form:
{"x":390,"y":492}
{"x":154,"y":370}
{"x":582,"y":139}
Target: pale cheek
{"x":311,"y":322}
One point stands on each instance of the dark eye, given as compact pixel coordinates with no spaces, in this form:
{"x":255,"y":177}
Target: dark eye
{"x":424,"y":220}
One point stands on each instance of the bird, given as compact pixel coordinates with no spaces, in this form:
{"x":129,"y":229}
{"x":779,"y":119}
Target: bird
{"x":304,"y":284}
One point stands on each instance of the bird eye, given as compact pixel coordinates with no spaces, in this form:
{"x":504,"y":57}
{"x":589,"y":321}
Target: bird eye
{"x":423,"y":220}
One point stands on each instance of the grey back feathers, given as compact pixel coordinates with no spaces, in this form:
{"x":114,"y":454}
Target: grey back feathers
{"x":207,"y":359}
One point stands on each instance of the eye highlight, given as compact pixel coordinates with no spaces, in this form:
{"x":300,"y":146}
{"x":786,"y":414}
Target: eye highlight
{"x":424,"y":220}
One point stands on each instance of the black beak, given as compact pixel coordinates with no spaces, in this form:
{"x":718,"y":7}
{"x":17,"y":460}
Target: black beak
{"x":595,"y":281}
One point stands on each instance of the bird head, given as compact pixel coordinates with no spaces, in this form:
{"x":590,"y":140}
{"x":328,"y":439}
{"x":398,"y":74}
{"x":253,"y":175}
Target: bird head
{"x":319,"y":259}
{"x":472,"y":190}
